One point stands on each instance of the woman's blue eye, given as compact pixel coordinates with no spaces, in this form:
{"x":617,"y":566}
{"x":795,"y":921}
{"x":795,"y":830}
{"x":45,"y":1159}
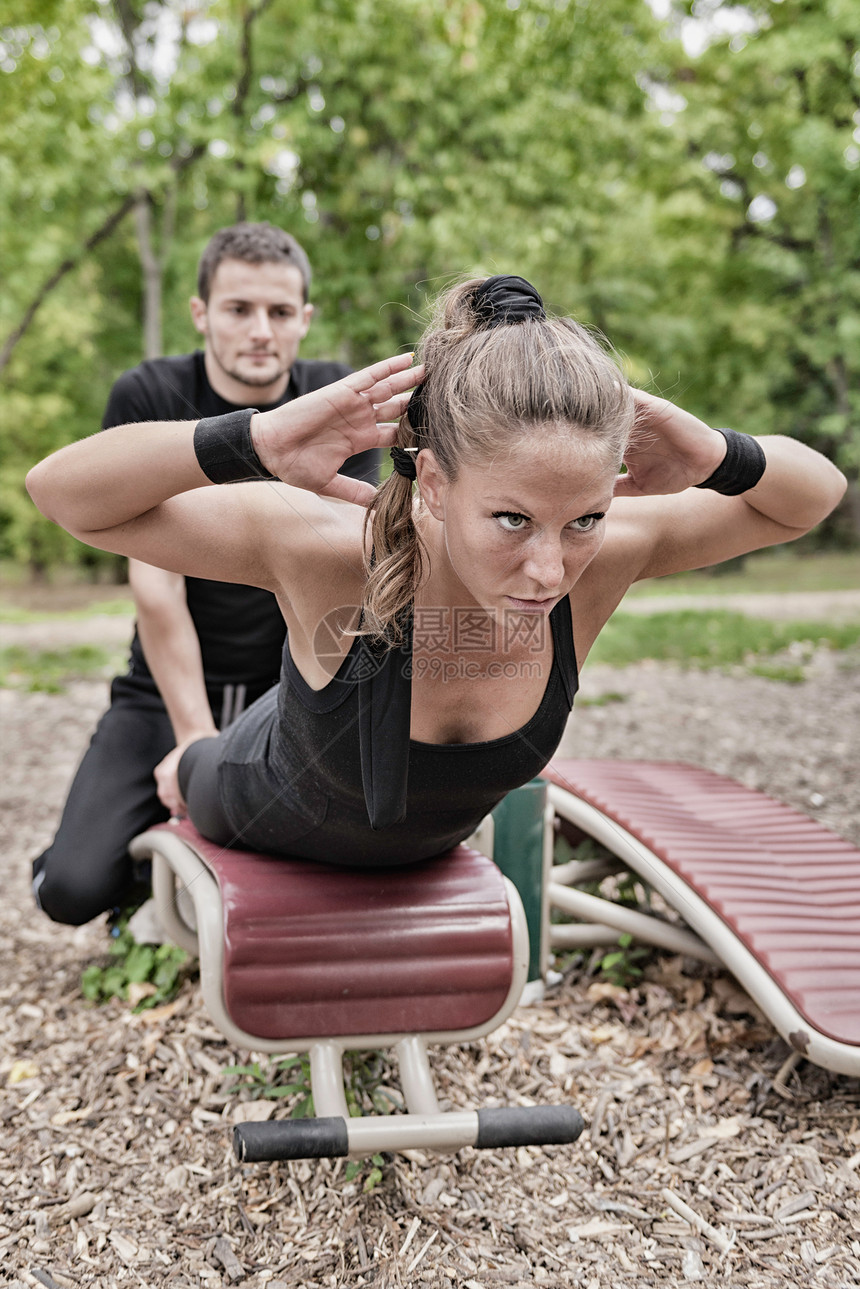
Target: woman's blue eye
{"x":510,"y":520}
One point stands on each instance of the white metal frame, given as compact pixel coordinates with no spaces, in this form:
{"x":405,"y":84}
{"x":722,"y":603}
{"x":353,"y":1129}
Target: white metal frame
{"x":712,"y":939}
{"x":178,"y":872}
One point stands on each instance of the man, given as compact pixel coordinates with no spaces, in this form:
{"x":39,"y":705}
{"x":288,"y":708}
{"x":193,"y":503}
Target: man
{"x":202,"y":650}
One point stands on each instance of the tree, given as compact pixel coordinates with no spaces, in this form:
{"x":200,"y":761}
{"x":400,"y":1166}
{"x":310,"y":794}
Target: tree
{"x":771,"y":120}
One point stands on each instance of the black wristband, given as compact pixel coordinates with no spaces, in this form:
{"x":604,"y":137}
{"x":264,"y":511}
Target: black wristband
{"x":741,"y":467}
{"x":224,"y":451}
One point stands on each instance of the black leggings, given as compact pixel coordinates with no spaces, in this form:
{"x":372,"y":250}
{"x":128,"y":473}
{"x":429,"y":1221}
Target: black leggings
{"x":198,"y":783}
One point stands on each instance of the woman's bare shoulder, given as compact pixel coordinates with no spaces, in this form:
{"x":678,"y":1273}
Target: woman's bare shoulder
{"x":319,"y":561}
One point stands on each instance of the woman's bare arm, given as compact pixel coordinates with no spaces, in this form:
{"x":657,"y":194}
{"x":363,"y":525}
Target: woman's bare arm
{"x":672,"y":525}
{"x":139,"y":491}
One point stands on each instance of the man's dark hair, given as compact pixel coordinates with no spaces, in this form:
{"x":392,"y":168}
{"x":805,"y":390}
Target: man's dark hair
{"x":255,"y":244}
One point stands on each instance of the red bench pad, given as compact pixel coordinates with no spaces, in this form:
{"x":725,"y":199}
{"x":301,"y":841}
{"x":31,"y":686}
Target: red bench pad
{"x":788,"y":887}
{"x":313,"y":950}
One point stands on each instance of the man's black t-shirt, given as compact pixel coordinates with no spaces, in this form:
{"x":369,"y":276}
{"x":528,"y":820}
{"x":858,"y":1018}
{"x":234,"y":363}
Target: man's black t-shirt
{"x":241,"y":629}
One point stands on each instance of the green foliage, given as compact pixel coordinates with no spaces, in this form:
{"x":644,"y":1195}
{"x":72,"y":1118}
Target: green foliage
{"x":374,"y":1175}
{"x":621,"y":966}
{"x":364,"y":1076}
{"x":769,"y":572}
{"x":157,"y":965}
{"x":602,"y":700}
{"x":769,"y":121}
{"x":788,"y":675}
{"x":104,"y":608}
{"x":700,"y":210}
{"x":285,"y":1077}
{"x":49,"y":670}
{"x":712,"y":638}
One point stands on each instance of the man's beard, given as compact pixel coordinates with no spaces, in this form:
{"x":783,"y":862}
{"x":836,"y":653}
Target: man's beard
{"x":252,"y":381}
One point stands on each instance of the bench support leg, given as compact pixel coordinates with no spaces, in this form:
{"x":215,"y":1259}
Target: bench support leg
{"x":326,"y":1059}
{"x":416,"y":1077}
{"x":334,"y":1134}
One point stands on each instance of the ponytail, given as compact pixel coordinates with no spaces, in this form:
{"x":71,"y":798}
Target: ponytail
{"x":397,"y":557}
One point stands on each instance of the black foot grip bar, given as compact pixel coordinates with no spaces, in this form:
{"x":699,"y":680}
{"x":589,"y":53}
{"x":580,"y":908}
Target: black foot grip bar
{"x":328,"y":1138}
{"x":534,"y":1125}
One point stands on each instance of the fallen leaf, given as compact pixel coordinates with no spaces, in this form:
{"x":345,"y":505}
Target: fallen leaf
{"x":253,"y":1111}
{"x":22,"y":1070}
{"x":602,"y":989}
{"x":724,"y":1129}
{"x":596,"y":1226}
{"x":138,"y":991}
{"x":158,"y":1014}
{"x":62,"y":1117}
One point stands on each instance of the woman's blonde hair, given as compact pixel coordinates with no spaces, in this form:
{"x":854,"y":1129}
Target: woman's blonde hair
{"x":487,"y":384}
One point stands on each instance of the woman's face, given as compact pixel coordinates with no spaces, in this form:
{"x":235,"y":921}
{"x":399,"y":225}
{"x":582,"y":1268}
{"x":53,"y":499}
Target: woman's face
{"x":519,"y":530}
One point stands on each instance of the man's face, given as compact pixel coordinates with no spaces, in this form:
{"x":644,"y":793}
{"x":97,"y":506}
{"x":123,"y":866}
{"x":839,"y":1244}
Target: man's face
{"x":253,"y":323}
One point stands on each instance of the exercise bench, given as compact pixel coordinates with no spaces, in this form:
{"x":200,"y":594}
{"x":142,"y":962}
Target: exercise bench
{"x":764,"y":890}
{"x":305,"y":957}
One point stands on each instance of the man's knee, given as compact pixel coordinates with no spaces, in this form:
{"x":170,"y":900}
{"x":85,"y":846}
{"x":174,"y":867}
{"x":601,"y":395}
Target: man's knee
{"x":73,"y":897}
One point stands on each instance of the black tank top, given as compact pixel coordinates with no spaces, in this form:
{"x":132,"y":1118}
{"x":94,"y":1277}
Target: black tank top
{"x":332,"y":774}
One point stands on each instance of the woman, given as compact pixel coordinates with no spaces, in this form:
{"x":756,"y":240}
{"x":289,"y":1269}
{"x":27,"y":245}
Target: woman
{"x":434,"y":645}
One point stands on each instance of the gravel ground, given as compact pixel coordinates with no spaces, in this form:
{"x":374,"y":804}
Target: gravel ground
{"x":115,"y":1161}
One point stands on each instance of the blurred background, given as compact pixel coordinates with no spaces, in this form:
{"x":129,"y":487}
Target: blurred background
{"x":683,"y":176}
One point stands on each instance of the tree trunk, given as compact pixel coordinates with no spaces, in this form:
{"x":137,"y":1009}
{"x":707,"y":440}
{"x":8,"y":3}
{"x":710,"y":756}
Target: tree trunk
{"x":151,"y":266}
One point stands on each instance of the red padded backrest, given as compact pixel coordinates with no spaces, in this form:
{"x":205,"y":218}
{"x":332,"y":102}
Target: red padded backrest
{"x":788,"y":887}
{"x":313,"y":950}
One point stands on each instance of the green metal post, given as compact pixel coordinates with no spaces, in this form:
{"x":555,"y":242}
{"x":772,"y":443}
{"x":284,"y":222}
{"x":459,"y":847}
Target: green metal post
{"x":518,"y":849}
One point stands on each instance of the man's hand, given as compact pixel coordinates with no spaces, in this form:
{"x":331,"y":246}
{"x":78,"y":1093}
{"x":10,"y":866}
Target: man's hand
{"x":305,"y":442}
{"x":669,"y":449}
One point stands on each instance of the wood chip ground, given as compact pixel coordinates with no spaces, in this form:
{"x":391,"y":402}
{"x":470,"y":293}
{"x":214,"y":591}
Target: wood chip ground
{"x":706,"y":1157}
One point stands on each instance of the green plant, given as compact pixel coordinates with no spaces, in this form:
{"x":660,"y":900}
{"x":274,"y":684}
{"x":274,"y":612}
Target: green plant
{"x":48,"y":670}
{"x":798,"y":567}
{"x":791,"y":674}
{"x":364,"y":1084}
{"x":102,"y":608}
{"x":621,"y":966}
{"x":373,"y":1178}
{"x":158,"y":966}
{"x":364,"y":1073}
{"x":284,"y":1077}
{"x":564,"y":852}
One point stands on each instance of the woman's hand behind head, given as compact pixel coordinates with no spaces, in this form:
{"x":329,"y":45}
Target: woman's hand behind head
{"x":305,"y":442}
{"x":669,"y":449}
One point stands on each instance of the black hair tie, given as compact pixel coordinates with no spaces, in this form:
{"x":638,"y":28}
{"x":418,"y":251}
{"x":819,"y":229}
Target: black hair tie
{"x":404,"y":462}
{"x":504,"y":299}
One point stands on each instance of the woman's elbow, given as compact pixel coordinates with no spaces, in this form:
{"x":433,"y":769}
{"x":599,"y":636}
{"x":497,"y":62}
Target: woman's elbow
{"x":38,"y":486}
{"x":820,"y":485}
{"x":56,"y":496}
{"x":834,"y":488}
